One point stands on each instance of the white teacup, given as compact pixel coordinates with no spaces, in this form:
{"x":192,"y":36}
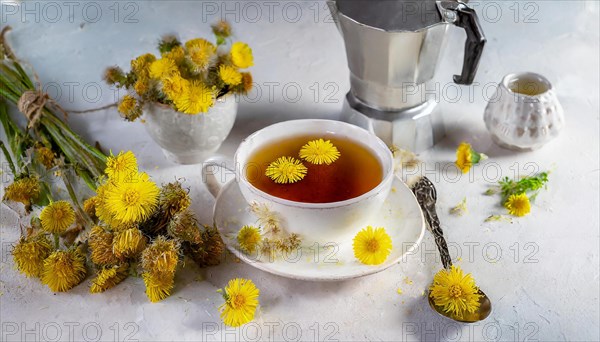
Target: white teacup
{"x":315,"y":222}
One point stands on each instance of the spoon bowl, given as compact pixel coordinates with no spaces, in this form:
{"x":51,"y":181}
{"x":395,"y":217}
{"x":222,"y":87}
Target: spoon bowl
{"x":485,"y":308}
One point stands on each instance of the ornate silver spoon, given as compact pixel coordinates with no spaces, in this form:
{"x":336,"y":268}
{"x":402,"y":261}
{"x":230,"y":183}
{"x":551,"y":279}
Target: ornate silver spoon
{"x":427,"y":196}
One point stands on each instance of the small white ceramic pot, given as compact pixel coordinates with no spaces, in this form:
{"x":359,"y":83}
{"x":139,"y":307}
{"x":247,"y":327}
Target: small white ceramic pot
{"x":524,"y":114}
{"x":315,"y":222}
{"x":190,"y":139}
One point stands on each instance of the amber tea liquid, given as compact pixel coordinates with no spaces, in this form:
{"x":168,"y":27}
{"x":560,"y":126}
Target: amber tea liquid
{"x":355,"y":172}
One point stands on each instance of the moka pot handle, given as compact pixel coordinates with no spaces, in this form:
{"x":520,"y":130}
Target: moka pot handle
{"x":461,"y":15}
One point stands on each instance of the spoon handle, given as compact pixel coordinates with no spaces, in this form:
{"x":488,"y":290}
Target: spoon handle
{"x":427,"y":196}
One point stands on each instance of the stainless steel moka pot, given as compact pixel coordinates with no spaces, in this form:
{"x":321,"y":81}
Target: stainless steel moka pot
{"x":393,"y":48}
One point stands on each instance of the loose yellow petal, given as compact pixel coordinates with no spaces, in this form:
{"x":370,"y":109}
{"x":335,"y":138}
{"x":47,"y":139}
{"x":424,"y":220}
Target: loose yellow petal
{"x":464,"y":157}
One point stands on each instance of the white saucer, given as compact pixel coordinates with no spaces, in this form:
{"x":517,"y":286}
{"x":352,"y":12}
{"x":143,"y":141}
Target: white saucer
{"x":400,"y":215}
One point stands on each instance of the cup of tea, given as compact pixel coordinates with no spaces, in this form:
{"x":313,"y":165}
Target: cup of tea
{"x":331,"y":203}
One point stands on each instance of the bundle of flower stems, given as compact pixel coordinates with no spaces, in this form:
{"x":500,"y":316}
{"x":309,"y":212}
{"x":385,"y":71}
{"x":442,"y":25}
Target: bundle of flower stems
{"x":125,"y":222}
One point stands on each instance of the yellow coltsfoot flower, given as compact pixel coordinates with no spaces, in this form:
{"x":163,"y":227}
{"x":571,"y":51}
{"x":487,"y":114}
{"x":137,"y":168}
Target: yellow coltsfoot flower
{"x":185,"y":226}
{"x":372,"y":246}
{"x":241,"y":55}
{"x":57,"y":217}
{"x":122,"y":166}
{"x":174,"y":198}
{"x":241,"y":301}
{"x":221,"y":29}
{"x":29,"y":254}
{"x":158,"y":286}
{"x":109,"y":277}
{"x":249,"y":238}
{"x":161,"y":256}
{"x":175,"y":86}
{"x":286,"y":170}
{"x":64,"y":270}
{"x":455,"y":292}
{"x":319,"y":152}
{"x":129,"y":108}
{"x":518,"y":204}
{"x":141,"y":65}
{"x":209,"y":252}
{"x":100,"y":242}
{"x":466,"y":157}
{"x":247,"y":82}
{"x":132,"y":200}
{"x":201,"y":52}
{"x":24,"y":190}
{"x":230,"y":75}
{"x":45,"y":156}
{"x":197,"y":98}
{"x":162,"y":68}
{"x":129,"y":243}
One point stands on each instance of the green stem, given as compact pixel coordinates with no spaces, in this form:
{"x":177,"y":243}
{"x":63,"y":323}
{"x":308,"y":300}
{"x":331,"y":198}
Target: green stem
{"x":74,"y":199}
{"x":56,"y":241}
{"x":8,"y":158}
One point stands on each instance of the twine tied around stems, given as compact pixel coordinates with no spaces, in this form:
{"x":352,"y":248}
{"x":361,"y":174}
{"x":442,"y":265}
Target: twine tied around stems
{"x":32,"y":104}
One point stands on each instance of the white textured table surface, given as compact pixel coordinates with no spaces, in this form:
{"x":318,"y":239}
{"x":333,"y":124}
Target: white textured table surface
{"x":541,"y":271}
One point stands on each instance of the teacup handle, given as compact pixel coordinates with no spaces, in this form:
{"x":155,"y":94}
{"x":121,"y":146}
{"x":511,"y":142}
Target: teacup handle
{"x":209,"y":171}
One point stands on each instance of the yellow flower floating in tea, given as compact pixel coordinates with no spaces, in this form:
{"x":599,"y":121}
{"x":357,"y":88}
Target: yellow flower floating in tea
{"x":518,"y":204}
{"x":57,"y":217}
{"x":372,"y":246}
{"x":319,"y":152}
{"x":241,"y":301}
{"x":466,"y":157}
{"x":455,"y":292}
{"x":188,"y":76}
{"x":286,"y":170}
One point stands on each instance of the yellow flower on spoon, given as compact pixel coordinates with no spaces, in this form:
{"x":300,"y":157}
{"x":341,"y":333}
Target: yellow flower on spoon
{"x":454,"y":291}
